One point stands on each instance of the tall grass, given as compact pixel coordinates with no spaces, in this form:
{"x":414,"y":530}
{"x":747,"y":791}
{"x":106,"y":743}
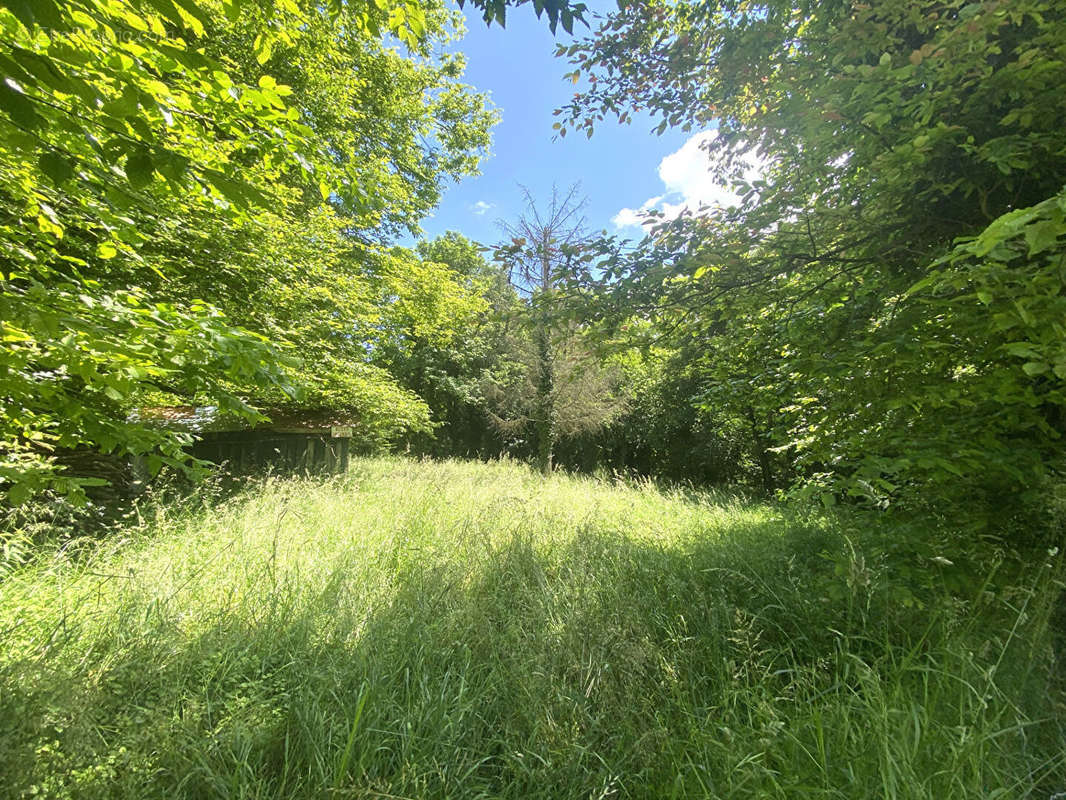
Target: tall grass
{"x":477,"y":631}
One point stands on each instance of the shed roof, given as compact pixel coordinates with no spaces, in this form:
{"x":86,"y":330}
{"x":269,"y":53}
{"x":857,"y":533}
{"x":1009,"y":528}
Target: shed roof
{"x":208,"y":419}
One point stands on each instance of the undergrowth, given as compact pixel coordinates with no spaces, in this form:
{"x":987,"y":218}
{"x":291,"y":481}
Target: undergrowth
{"x":464,"y":630}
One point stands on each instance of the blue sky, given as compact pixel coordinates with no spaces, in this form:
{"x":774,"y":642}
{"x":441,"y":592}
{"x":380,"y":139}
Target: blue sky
{"x":619,"y":168}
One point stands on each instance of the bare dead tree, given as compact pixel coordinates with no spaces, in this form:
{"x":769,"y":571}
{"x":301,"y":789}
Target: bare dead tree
{"x":544,"y":245}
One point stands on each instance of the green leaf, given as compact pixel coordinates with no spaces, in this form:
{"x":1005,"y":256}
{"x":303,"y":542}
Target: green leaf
{"x":264,"y":48}
{"x":140,"y":169}
{"x":23,"y":11}
{"x":195,"y":12}
{"x":40,"y":12}
{"x":173,"y":166}
{"x":46,"y":71}
{"x":1043,"y":235}
{"x":55,"y":167}
{"x":238,"y":192}
{"x":17,"y":106}
{"x":19,"y":493}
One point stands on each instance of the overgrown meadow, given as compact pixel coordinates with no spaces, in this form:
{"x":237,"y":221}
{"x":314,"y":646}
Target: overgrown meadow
{"x":474,"y":630}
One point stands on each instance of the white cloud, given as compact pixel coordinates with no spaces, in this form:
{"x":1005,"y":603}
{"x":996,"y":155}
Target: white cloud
{"x":480,"y":207}
{"x":688,"y":182}
{"x":631,"y":217}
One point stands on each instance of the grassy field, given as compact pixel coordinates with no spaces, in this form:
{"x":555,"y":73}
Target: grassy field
{"x":476,"y":631}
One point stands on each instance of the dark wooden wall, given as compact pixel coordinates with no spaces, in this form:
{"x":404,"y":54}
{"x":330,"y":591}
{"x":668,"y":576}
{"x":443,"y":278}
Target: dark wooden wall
{"x":254,"y":451}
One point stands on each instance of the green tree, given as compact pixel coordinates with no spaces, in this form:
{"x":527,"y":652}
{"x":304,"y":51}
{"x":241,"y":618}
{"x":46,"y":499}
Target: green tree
{"x":96,"y":124}
{"x":570,"y":390}
{"x":147,"y":147}
{"x":893,"y":279}
{"x":451,"y":372}
{"x":320,"y":276}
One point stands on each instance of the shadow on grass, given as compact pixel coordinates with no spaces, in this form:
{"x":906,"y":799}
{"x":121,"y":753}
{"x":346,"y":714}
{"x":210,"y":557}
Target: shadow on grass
{"x":771,"y":661}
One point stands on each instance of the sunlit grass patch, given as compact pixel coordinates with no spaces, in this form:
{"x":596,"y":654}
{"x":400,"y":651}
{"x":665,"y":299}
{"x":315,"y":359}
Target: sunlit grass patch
{"x":468,"y":630}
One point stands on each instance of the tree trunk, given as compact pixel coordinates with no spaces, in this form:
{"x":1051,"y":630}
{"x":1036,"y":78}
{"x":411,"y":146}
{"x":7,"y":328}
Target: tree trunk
{"x":762,"y":455}
{"x":546,"y":369}
{"x":545,"y":400}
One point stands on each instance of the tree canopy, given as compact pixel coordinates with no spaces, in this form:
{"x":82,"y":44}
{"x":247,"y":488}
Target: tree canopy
{"x":197,"y":201}
{"x":201,"y":200}
{"x":886,"y":300}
